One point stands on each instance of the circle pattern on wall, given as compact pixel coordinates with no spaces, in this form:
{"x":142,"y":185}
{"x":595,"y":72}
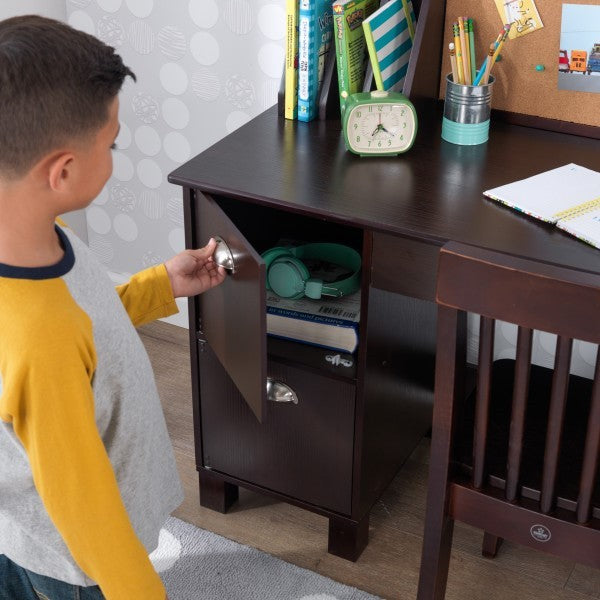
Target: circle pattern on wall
{"x":239,"y":16}
{"x":145,"y":107}
{"x":204,"y":13}
{"x":171,"y":41}
{"x":239,"y":91}
{"x":141,"y":37}
{"x":122,"y":197}
{"x":110,"y":31}
{"x":110,"y":5}
{"x":173,"y":78}
{"x":206,"y":85}
{"x":140,"y":8}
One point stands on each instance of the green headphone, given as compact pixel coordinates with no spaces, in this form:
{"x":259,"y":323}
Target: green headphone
{"x":289,"y":277}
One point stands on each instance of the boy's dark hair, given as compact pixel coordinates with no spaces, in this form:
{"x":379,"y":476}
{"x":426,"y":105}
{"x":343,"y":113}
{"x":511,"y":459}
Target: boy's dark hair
{"x":56,"y":84}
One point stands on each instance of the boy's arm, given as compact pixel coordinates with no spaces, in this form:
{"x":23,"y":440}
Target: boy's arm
{"x":148,"y":295}
{"x":51,"y":406}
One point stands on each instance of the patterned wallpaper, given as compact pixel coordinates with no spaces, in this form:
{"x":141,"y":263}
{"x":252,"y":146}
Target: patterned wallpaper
{"x":204,"y":68}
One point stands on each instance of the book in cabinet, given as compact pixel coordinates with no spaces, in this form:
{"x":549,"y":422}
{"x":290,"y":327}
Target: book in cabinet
{"x":423,"y":75}
{"x":335,"y":442}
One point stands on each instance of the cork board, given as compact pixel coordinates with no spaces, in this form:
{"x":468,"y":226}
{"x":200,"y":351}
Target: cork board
{"x":519,"y":88}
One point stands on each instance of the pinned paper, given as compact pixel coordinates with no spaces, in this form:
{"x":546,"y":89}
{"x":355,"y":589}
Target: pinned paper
{"x":522,"y":14}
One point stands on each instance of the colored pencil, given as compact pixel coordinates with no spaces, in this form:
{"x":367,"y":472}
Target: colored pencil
{"x":490,"y":63}
{"x":453,"y":62}
{"x":472,"y":49}
{"x":464,"y":52}
{"x":459,"y":63}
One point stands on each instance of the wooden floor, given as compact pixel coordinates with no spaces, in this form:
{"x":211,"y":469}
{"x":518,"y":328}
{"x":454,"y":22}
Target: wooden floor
{"x":389,"y":567}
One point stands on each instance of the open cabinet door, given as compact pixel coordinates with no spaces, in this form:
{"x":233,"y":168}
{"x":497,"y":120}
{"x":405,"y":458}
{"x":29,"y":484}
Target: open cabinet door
{"x":233,"y":315}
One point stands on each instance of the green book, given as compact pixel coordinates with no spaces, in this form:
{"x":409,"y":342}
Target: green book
{"x":350,"y":44}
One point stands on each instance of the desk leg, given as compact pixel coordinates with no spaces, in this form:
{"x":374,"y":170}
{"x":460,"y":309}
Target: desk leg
{"x":347,"y":538}
{"x":215,"y":493}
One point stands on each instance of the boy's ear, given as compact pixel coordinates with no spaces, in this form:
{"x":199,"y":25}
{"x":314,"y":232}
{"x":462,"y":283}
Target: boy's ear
{"x":59,"y":171}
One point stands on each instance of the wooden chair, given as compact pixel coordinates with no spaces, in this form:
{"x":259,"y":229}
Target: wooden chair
{"x":517,"y":456}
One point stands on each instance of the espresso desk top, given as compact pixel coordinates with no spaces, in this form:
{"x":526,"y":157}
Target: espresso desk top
{"x":433,"y":193}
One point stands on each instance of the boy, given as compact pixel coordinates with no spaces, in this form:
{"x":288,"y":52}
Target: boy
{"x":87,"y":474}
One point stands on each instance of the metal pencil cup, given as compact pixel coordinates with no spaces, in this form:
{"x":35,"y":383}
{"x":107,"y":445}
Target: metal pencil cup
{"x":467,"y":112}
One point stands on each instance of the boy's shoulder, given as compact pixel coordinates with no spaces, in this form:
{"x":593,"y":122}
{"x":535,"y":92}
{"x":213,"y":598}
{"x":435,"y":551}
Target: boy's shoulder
{"x":38,"y":314}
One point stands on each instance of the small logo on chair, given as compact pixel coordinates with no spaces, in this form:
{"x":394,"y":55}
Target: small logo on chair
{"x":540,"y":533}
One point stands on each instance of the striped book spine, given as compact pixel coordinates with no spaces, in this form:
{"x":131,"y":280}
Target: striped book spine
{"x":389,"y":32}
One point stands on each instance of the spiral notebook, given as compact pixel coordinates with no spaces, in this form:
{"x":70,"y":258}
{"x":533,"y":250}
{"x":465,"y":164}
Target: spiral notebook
{"x":568,"y":197}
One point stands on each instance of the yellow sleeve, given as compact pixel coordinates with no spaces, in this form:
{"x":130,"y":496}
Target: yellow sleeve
{"x":148,"y":295}
{"x":51,"y":407}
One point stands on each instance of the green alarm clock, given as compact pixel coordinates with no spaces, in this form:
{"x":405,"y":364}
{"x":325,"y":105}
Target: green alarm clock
{"x":379,"y":123}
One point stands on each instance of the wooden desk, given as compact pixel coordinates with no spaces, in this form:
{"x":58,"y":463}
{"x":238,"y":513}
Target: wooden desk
{"x":274,"y":175}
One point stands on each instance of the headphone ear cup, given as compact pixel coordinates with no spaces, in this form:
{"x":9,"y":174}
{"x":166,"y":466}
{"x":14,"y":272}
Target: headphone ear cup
{"x":271,"y":255}
{"x":287,"y":276}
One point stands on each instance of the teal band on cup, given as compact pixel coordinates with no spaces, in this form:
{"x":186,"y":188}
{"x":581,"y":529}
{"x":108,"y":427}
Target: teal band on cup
{"x":465,"y":134}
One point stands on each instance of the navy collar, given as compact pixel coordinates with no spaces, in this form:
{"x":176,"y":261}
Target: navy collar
{"x":62,"y":267}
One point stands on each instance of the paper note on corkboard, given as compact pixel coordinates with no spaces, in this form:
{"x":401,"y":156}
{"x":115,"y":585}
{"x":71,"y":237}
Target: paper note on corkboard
{"x":523,"y":15}
{"x":519,"y":87}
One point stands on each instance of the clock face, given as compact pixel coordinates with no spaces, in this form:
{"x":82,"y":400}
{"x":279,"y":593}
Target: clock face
{"x":380,"y":128}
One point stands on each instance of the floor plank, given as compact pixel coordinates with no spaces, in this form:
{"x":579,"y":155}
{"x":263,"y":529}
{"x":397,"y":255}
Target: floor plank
{"x":389,"y":566}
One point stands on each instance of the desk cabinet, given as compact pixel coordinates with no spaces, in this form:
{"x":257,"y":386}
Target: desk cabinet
{"x":337,"y":448}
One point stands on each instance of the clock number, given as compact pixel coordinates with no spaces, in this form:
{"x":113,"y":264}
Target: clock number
{"x":404,"y":125}
{"x":370,"y":109}
{"x":356,"y":125}
{"x":358,"y":114}
{"x":358,"y":138}
{"x":380,"y":108}
{"x":389,"y":142}
{"x":379,"y":144}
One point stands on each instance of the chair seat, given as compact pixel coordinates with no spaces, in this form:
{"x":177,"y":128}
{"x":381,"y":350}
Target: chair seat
{"x":573,"y":440}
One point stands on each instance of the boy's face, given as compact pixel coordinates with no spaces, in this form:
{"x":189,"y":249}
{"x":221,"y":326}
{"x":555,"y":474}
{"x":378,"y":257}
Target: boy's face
{"x":94,"y":161}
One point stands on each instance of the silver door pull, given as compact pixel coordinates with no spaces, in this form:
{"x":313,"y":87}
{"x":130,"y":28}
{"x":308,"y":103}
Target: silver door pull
{"x":280,"y":392}
{"x":223,"y":256}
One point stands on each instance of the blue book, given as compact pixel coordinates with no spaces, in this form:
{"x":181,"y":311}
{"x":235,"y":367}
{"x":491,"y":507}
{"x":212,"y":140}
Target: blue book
{"x":315,"y":35}
{"x":329,"y":323}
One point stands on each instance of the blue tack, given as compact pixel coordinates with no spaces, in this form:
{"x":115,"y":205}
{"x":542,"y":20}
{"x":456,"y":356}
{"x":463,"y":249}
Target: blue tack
{"x":540,"y":68}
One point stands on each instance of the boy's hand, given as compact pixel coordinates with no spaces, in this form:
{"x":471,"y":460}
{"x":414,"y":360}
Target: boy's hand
{"x":192,"y":272}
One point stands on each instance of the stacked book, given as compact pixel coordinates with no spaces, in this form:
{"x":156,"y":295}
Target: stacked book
{"x":329,"y":322}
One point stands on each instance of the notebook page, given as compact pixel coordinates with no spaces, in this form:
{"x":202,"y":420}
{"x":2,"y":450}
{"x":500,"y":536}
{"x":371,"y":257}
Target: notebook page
{"x":546,"y":194}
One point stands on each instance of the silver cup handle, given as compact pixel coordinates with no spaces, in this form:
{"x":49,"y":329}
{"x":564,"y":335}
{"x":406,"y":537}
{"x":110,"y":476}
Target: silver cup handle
{"x":280,"y":392}
{"x":223,"y":256}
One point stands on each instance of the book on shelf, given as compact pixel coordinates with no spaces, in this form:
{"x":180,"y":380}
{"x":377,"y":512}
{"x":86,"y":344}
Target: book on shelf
{"x":291,"y":60}
{"x":389,"y":33}
{"x":568,"y":197}
{"x":315,"y":32}
{"x":350,"y":44}
{"x":329,"y":322}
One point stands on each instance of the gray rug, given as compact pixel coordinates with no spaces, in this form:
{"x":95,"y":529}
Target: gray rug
{"x":199,"y":565}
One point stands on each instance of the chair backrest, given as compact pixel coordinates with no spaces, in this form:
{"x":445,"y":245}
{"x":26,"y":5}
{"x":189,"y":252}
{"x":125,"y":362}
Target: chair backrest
{"x":536,"y":435}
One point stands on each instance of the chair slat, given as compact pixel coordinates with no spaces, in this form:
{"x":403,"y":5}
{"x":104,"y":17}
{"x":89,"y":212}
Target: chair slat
{"x":591,"y":453}
{"x":558,"y":402}
{"x":519,"y":405}
{"x":484,"y":379}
